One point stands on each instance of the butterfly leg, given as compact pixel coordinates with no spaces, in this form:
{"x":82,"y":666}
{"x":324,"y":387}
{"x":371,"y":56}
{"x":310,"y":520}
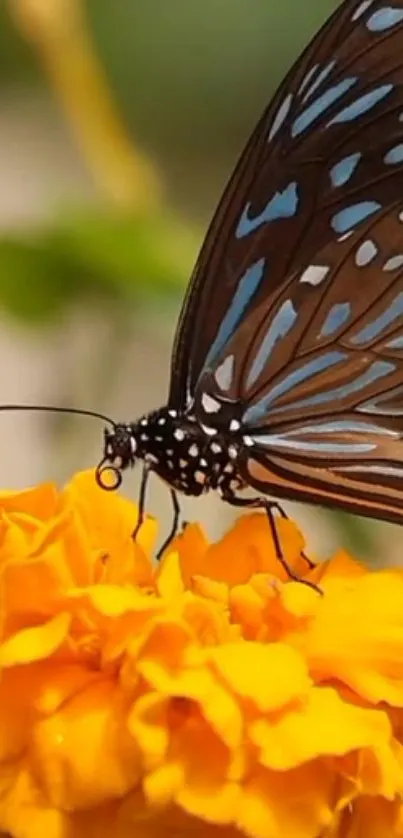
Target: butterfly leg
{"x":175,"y":523}
{"x":269,"y":507}
{"x":142,"y":501}
{"x":276,"y":506}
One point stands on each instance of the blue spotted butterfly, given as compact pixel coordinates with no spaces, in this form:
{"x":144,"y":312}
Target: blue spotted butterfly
{"x":287,"y":369}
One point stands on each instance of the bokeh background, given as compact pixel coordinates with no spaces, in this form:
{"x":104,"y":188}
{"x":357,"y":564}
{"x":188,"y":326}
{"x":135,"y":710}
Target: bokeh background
{"x":119,"y":125}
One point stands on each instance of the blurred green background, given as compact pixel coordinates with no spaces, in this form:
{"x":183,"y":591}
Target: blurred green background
{"x":119,"y":125}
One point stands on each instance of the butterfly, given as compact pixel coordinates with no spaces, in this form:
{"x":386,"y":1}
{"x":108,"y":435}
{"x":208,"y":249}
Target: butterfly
{"x":287,"y":366}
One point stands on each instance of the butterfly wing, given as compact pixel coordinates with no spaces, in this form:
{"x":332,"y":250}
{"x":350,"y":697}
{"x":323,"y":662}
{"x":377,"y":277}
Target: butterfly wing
{"x":316,"y":166}
{"x":319,"y":392}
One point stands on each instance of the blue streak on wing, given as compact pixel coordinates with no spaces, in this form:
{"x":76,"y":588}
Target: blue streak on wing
{"x":283,"y":441}
{"x":348,"y":217}
{"x":342,"y":171}
{"x":247,"y":287}
{"x":279,"y":328}
{"x":343,"y":426}
{"x":394,"y":155}
{"x":364,"y":468}
{"x":337,"y":316}
{"x":361,"y":105}
{"x":317,"y":365}
{"x":373,"y":329}
{"x":377,"y":407}
{"x":287,"y":440}
{"x":321,"y":104}
{"x":282,"y":205}
{"x":384,"y":18}
{"x":396,"y":343}
{"x":319,"y":79}
{"x":377,"y":370}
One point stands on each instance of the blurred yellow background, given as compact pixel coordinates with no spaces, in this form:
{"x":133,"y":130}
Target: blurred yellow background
{"x":119,"y":125}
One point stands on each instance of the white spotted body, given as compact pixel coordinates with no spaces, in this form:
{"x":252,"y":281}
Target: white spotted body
{"x":196,"y":462}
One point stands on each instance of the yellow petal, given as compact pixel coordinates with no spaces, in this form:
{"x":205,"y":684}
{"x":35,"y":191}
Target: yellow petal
{"x":115,"y":600}
{"x":169,"y":577}
{"x":268,"y":675}
{"x":33,"y":644}
{"x":216,"y":804}
{"x":83,"y":754}
{"x":148,"y":723}
{"x":321,"y":725}
{"x":357,"y":636}
{"x":216,"y":704}
{"x":162,"y":785}
{"x":296,"y":804}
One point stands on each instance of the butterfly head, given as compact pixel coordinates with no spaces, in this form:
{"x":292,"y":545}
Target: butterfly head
{"x":120,"y":449}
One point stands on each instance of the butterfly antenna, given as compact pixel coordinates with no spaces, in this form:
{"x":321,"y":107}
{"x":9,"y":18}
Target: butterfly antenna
{"x":52,"y":409}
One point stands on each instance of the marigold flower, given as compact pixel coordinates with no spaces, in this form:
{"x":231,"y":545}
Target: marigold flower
{"x":206,"y":694}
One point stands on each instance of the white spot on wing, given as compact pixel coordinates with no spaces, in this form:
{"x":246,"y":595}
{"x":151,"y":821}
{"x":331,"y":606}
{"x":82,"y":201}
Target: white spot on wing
{"x":208,"y":431}
{"x":216,"y":448}
{"x":224,"y":373}
{"x":248,"y":441}
{"x":234,"y":425}
{"x":393,"y":263}
{"x":365,"y":253}
{"x":314,"y":274}
{"x":200,"y":477}
{"x":280,"y":116}
{"x":193,"y":450}
{"x":209,"y":404}
{"x":179,"y":434}
{"x":150,"y":458}
{"x":361,"y":8}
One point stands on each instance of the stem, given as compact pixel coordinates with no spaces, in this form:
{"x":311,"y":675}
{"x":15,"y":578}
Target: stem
{"x":59,"y":32}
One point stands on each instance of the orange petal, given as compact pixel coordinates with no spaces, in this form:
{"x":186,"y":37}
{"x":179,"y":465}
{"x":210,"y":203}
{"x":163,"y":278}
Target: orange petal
{"x":191,"y":546}
{"x":39,"y":502}
{"x":248,"y":549}
{"x":373,"y":818}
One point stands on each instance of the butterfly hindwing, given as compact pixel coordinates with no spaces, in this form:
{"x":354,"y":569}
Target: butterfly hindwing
{"x":316,"y":167}
{"x":320,"y":395}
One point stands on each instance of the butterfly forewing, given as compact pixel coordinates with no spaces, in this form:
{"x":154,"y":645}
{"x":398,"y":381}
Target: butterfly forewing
{"x":326,"y":157}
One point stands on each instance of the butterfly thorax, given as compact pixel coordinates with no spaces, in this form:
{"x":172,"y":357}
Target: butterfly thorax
{"x":179,"y":450}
